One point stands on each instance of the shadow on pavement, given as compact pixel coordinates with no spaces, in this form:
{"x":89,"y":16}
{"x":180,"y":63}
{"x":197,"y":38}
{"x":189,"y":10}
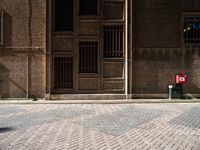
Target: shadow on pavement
{"x":6,"y":129}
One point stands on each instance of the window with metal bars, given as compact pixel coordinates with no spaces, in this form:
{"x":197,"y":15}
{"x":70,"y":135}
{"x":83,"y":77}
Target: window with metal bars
{"x":63,"y":15}
{"x":88,"y":7}
{"x":88,"y":57}
{"x":1,"y":26}
{"x":192,"y":31}
{"x":113,"y":40}
{"x":63,"y":72}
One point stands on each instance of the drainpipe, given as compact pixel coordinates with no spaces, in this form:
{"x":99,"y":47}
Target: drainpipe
{"x":130,"y":62}
{"x":27,"y":76}
{"x":30,"y":36}
{"x":126,"y":48}
{"x":50,"y":22}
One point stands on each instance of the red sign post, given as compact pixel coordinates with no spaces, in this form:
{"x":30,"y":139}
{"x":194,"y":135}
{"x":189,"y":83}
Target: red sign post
{"x":180,"y":79}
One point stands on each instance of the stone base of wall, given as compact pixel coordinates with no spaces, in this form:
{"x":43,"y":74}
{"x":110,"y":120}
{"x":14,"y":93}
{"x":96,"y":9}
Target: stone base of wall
{"x":149,"y":96}
{"x":113,"y":96}
{"x":86,"y":96}
{"x":163,"y":96}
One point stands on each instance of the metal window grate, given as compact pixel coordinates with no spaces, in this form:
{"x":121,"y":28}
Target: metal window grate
{"x":88,"y":57}
{"x":192,"y":31}
{"x":113,"y":41}
{"x":63,"y":69}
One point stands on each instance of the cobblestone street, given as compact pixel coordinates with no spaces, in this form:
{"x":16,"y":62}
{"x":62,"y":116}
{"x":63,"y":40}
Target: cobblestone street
{"x":100,"y":127}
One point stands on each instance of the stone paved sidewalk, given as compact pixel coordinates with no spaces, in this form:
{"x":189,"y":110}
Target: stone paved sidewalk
{"x":100,"y":127}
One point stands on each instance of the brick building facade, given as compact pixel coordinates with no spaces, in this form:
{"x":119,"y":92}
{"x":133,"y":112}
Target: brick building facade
{"x":95,"y":49}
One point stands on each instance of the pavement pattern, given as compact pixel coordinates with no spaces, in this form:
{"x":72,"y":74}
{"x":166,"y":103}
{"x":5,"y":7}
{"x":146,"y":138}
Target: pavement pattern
{"x":100,"y":126}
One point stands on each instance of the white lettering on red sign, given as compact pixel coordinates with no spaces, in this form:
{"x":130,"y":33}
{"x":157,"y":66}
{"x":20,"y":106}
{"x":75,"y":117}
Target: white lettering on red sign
{"x":182,"y":79}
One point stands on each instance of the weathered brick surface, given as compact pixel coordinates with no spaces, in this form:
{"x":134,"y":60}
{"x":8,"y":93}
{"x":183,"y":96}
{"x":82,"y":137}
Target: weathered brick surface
{"x":155,"y":69}
{"x":94,"y":127}
{"x":157,"y":54}
{"x":157,"y":32}
{"x":24,"y":30}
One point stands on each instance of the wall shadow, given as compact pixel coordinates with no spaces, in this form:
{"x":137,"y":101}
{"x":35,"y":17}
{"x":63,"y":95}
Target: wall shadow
{"x":4,"y":80}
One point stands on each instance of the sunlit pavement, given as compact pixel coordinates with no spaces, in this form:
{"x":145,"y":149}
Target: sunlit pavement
{"x":99,"y":126}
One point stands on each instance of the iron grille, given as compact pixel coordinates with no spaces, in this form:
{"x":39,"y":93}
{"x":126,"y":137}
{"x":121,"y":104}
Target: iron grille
{"x":192,"y":31}
{"x":63,"y":69}
{"x":88,"y":57}
{"x":113,"y":41}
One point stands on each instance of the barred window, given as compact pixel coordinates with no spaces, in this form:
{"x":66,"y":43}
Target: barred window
{"x":88,"y":7}
{"x":113,"y":41}
{"x":1,"y":26}
{"x":192,"y":31}
{"x":88,"y":57}
{"x":63,"y":72}
{"x":63,"y":15}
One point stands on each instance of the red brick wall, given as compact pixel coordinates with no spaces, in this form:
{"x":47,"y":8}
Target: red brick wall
{"x":157,"y":54}
{"x":157,"y":24}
